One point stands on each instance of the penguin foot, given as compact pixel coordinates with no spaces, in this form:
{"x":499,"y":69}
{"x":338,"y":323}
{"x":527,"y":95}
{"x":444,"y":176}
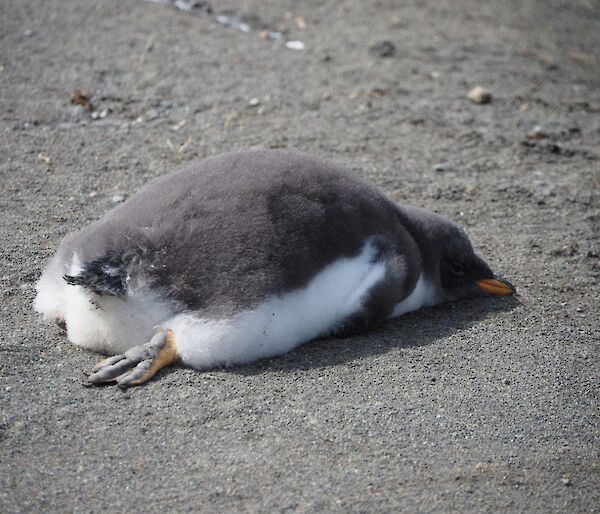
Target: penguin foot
{"x":138,"y":364}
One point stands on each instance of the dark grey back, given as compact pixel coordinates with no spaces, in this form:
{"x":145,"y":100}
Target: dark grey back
{"x":229,"y":231}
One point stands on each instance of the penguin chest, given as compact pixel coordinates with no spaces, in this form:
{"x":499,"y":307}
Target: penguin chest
{"x":424,"y":294}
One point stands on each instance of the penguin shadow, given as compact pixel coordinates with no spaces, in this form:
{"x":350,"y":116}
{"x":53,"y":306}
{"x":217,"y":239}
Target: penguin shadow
{"x":420,"y":328}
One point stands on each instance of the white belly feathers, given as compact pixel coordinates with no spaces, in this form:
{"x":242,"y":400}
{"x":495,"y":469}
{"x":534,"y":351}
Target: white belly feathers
{"x":281,"y":323}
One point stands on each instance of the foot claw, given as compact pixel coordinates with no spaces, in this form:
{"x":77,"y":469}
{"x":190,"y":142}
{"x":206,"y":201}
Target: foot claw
{"x":106,"y":362}
{"x":110,"y":372}
{"x":136,"y":376}
{"x":138,"y":364}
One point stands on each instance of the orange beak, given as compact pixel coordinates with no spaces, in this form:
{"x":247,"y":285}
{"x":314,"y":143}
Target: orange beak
{"x":498,"y":286}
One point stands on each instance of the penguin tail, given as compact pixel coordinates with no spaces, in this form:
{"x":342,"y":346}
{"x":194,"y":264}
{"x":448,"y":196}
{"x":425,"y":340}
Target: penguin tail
{"x":106,"y":276}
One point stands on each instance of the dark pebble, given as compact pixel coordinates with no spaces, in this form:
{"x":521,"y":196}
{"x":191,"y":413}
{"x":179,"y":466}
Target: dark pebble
{"x":383,"y":49}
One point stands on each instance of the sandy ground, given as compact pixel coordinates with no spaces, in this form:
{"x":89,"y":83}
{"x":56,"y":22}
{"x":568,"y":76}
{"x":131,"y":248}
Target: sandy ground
{"x":479,"y":406}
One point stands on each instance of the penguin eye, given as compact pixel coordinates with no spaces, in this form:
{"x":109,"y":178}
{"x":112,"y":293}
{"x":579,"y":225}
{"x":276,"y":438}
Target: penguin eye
{"x":457,"y":268}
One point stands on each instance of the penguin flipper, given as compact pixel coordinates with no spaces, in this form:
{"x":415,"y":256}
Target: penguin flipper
{"x":376,"y":308}
{"x":379,"y":302}
{"x":104,"y":276}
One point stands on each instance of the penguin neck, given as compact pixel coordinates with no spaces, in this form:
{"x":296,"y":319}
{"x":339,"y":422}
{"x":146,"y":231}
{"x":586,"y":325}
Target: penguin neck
{"x":418,"y":223}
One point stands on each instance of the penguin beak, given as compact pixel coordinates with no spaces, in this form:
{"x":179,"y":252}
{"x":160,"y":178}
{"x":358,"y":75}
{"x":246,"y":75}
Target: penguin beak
{"x":497,"y":286}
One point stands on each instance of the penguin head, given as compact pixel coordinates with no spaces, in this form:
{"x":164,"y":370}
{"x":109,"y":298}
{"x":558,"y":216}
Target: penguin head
{"x":463,"y":273}
{"x":449,"y":258}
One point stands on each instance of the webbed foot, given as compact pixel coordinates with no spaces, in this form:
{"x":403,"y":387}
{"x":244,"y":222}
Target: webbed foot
{"x":138,"y":364}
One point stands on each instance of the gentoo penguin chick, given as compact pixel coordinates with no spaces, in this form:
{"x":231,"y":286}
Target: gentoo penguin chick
{"x":248,"y":255}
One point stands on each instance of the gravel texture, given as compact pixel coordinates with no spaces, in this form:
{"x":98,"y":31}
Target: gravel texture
{"x":478,"y":406}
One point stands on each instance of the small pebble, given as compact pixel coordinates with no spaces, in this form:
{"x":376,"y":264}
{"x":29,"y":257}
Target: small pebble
{"x":117,"y":198}
{"x":479,"y":95}
{"x":183,"y":6}
{"x":175,"y":127}
{"x":44,"y":158}
{"x":440,"y":167}
{"x":295,"y":45}
{"x":553,"y":148}
{"x":565,"y":481}
{"x":383,"y":49}
{"x":270,"y":34}
{"x":99,"y":115}
{"x":537,"y":133}
{"x":253,"y":102}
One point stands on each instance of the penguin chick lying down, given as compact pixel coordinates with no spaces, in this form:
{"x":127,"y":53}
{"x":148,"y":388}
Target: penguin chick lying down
{"x":248,"y":255}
